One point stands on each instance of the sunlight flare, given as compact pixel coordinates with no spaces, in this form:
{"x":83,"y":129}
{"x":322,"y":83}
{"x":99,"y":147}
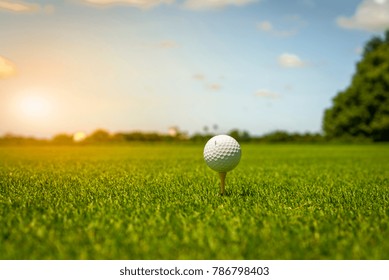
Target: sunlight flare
{"x":79,"y":136}
{"x":35,"y":106}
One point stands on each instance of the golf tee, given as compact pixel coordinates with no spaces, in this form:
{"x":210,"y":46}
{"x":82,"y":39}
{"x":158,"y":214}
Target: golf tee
{"x":222,"y":181}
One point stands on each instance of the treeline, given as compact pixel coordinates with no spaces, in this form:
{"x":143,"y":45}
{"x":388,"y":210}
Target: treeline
{"x":278,"y":136}
{"x":99,"y":136}
{"x":361,"y":111}
{"x":102,"y":136}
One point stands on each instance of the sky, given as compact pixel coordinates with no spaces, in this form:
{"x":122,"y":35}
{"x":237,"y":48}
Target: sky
{"x":148,"y":65}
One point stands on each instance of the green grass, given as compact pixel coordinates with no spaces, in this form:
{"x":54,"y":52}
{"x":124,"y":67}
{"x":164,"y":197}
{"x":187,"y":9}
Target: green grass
{"x":162,"y":202}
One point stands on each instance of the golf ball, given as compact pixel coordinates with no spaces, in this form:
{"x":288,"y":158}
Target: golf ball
{"x":222,"y":153}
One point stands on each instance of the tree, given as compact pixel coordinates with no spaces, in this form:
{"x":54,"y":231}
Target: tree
{"x":62,"y":139}
{"x":240,"y":136}
{"x":362,"y":109}
{"x":99,"y":136}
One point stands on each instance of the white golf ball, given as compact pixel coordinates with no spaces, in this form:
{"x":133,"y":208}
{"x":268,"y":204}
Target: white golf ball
{"x":222,"y":153}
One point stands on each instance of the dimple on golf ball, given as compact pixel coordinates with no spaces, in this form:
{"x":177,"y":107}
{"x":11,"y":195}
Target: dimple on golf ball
{"x":222,"y":153}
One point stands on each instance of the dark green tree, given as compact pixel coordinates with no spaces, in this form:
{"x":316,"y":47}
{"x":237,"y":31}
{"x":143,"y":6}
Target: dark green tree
{"x":239,"y":135}
{"x":362,"y":109}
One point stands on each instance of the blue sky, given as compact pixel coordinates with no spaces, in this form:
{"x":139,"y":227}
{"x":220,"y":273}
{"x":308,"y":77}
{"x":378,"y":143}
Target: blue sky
{"x":260,"y":66}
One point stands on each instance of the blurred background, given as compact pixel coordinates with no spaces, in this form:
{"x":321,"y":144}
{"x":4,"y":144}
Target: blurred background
{"x":77,"y":71}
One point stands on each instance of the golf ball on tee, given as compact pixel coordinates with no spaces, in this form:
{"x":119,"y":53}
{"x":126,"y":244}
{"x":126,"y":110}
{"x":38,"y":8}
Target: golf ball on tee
{"x":222,"y":153}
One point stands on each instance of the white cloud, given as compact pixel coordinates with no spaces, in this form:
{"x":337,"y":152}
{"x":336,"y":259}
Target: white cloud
{"x":24,"y":7}
{"x":142,"y":4}
{"x":293,"y":22}
{"x":370,"y":15}
{"x":7,"y":68}
{"x":18,"y":6}
{"x":288,"y":60}
{"x":267,"y":94}
{"x":215,"y":4}
{"x":189,"y":4}
{"x":267,"y":26}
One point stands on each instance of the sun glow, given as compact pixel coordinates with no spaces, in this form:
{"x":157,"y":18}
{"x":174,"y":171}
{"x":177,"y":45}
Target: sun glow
{"x":35,"y":106}
{"x":79,"y":136}
{"x":32,"y":112}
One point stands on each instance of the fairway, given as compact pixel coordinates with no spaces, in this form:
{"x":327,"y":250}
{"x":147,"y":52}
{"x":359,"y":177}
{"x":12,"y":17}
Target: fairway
{"x":161,"y":201}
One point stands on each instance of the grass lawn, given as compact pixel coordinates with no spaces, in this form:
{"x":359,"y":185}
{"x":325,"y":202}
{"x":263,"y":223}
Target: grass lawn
{"x":161,"y":201}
